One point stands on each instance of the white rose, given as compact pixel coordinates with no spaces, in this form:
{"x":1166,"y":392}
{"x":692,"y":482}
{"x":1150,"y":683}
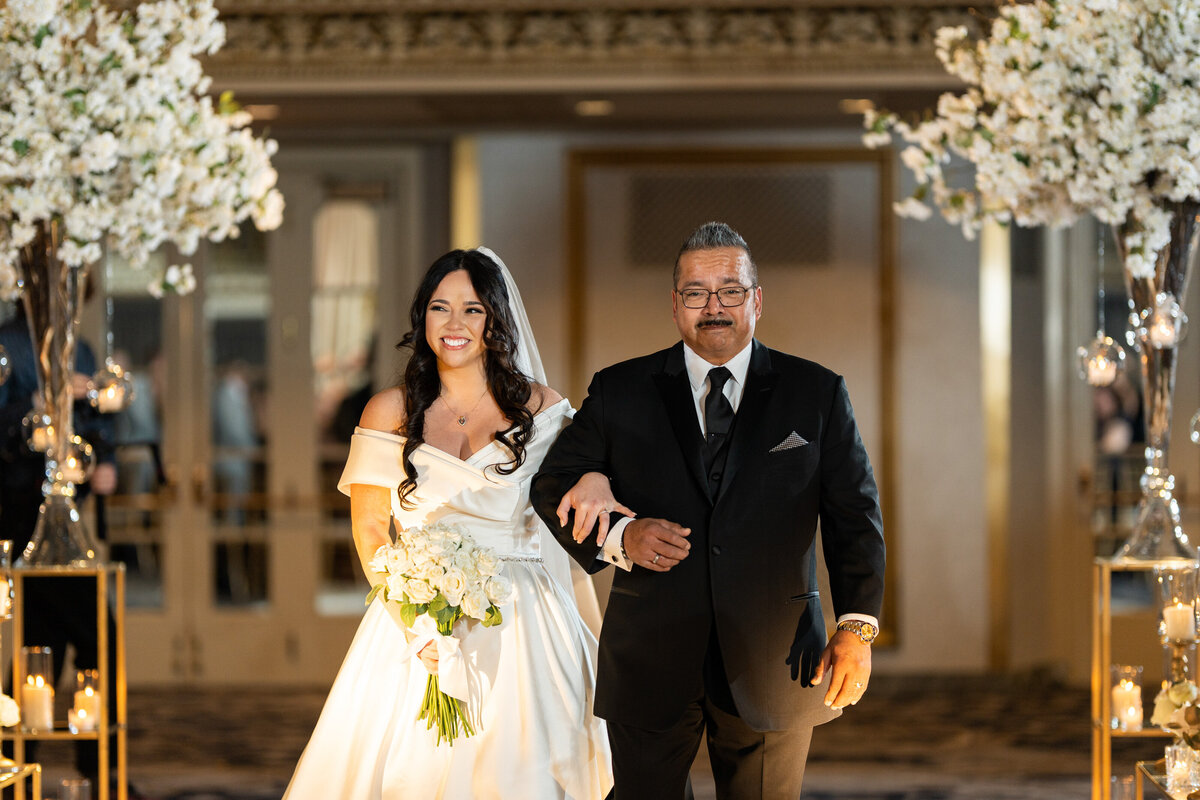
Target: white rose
{"x":419,"y":591}
{"x":499,"y":589}
{"x":10,"y":712}
{"x":453,"y":584}
{"x":486,"y":562}
{"x":379,"y":561}
{"x":396,"y":587}
{"x":475,"y":603}
{"x":398,"y":560}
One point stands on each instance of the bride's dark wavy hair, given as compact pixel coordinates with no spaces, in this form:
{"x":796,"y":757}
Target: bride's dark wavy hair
{"x":421,"y":385}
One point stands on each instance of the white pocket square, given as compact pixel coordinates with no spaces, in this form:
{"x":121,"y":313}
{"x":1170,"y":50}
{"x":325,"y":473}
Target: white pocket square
{"x":792,"y":441}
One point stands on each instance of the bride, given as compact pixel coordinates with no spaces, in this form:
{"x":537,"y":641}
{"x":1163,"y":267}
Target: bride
{"x":459,"y":442}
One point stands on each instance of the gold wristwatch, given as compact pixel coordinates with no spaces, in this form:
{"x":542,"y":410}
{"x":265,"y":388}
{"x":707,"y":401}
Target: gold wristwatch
{"x":865,"y":631}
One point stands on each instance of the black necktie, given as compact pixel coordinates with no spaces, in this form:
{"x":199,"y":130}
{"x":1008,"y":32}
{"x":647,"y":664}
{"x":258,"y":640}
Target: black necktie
{"x":718,"y":419}
{"x":718,"y":414}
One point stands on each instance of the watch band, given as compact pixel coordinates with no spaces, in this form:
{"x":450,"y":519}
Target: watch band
{"x":865,"y":631}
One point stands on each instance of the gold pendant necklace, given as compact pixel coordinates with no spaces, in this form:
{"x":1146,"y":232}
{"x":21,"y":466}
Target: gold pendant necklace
{"x":461,"y":419}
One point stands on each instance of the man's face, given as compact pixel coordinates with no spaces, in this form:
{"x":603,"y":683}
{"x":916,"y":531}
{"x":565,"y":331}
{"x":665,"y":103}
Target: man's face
{"x":714,"y":332}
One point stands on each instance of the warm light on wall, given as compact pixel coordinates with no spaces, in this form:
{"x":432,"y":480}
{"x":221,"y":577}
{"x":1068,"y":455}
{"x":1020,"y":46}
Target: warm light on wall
{"x":595,"y":108}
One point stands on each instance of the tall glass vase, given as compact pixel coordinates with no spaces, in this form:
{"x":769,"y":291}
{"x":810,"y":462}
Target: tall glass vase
{"x":1157,"y":322}
{"x":52,"y":293}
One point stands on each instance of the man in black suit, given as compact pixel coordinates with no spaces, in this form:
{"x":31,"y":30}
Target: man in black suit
{"x":730,"y":453}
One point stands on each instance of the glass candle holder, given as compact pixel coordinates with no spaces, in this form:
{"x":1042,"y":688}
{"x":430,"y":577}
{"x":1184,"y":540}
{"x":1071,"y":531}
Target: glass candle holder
{"x":1178,"y":761}
{"x":1177,"y":590}
{"x":6,"y":583}
{"x":75,"y":789}
{"x":1127,"y":712}
{"x":37,"y":692}
{"x":84,"y":714}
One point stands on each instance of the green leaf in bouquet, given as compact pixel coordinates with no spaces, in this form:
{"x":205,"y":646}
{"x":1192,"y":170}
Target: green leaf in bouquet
{"x":438,"y":603}
{"x":408,"y":613}
{"x":445,"y":617}
{"x":492,"y":617}
{"x":376,"y":589}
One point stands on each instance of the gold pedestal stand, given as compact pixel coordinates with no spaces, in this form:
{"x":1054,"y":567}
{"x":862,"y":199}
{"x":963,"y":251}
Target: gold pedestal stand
{"x":113,"y":719}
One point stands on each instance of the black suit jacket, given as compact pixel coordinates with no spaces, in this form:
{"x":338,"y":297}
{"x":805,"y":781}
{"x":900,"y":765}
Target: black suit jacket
{"x":752,"y":567}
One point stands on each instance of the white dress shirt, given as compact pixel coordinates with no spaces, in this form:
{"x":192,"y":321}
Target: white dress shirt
{"x":697,"y":370}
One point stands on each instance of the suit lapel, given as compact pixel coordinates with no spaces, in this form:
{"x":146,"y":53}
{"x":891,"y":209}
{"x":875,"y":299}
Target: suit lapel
{"x":760,"y":381}
{"x":677,"y":398}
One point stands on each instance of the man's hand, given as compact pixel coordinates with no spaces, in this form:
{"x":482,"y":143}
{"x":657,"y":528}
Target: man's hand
{"x":656,"y":544}
{"x":847,"y":661}
{"x":593,"y":500}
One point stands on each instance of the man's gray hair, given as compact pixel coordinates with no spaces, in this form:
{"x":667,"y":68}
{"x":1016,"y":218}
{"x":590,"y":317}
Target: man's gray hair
{"x":710,"y":236}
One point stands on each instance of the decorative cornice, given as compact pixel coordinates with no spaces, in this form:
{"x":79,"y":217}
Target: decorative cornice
{"x":463,"y":45}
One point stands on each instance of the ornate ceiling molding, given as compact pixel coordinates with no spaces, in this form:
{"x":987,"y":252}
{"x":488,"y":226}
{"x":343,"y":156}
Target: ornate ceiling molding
{"x":472,"y":45}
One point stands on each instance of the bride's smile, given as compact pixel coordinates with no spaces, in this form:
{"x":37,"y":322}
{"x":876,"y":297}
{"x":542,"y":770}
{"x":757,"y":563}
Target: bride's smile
{"x":455,"y":321}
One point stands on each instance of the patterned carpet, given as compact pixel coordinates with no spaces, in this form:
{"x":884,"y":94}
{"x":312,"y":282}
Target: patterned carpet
{"x":911,"y":738}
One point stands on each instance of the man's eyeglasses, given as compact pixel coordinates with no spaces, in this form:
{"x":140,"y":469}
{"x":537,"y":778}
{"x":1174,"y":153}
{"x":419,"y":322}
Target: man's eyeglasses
{"x":727,"y":296}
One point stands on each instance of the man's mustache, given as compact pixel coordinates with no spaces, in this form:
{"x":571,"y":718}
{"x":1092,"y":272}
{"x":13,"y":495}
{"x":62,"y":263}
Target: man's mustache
{"x":715,"y":322}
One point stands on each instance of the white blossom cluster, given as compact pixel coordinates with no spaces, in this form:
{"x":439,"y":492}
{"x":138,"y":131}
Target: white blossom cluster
{"x":429,"y":560}
{"x":1072,"y":107}
{"x":106,"y":129}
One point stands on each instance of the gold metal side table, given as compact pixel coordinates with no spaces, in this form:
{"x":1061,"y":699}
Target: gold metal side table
{"x":1102,"y":620}
{"x":31,"y":771}
{"x":113,"y":720}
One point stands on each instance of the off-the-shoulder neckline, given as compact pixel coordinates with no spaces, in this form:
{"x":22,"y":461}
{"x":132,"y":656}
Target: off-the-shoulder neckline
{"x":536,"y":419}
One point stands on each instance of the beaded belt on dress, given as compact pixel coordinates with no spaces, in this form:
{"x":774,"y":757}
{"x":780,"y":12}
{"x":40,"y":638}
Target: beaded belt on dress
{"x":521,"y":557}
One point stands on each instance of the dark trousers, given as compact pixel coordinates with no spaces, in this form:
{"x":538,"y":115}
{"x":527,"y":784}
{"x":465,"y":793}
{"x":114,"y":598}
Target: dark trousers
{"x":746,"y":764}
{"x":57,"y":612}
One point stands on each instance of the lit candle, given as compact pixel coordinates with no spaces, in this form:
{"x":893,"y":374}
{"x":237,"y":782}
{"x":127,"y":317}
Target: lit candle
{"x":72,"y":470}
{"x":85,"y":716}
{"x":1179,"y":622}
{"x":37,"y":704}
{"x":111,"y":398}
{"x":1127,"y":705}
{"x":5,"y":599}
{"x":1179,"y":774}
{"x":1162,"y":331}
{"x":39,"y":440}
{"x":1101,"y":371}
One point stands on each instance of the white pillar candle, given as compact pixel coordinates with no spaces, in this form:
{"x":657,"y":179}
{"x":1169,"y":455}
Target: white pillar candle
{"x":1179,"y":774}
{"x":1127,"y":705}
{"x":1179,"y":622}
{"x":37,"y":704}
{"x":85,"y":716}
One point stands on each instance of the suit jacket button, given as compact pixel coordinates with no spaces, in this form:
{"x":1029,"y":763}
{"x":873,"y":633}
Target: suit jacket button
{"x":715,"y":477}
{"x":716,"y":549}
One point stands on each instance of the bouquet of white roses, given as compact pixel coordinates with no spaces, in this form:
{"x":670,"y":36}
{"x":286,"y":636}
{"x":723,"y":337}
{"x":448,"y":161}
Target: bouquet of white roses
{"x":1176,"y":710}
{"x":438,"y":575}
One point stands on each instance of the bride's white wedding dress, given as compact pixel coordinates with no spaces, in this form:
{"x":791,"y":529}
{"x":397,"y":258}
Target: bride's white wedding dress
{"x":536,"y":736}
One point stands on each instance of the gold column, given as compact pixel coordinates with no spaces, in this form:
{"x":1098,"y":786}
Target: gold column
{"x":995,"y":320}
{"x":466,"y":215}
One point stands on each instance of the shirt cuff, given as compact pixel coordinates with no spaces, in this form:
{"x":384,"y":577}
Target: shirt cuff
{"x":612,"y":552}
{"x":860,"y":617}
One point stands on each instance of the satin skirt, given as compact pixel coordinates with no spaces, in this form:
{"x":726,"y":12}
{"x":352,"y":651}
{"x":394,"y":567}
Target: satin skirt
{"x":533,"y":684}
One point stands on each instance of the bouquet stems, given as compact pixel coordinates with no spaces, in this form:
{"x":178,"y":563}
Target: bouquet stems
{"x":438,"y":708}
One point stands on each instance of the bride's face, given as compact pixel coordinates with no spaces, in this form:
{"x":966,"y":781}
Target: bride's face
{"x":455,"y":320}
